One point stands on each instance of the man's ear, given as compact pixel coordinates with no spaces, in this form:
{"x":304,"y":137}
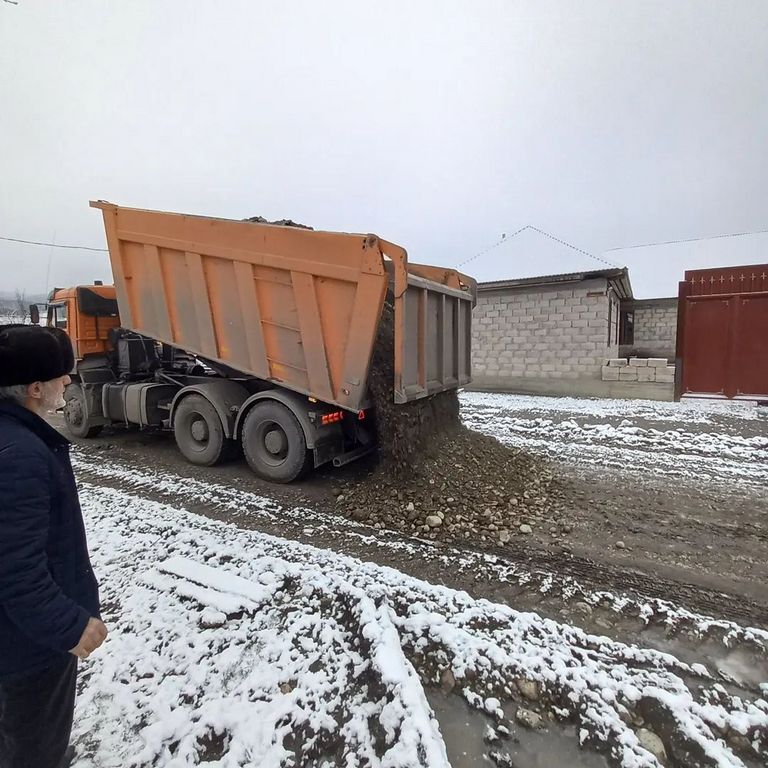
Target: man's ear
{"x":35,"y":390}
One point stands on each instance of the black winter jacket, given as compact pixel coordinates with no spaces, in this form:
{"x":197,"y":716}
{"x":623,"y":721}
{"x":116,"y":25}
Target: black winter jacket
{"x":47,"y":588}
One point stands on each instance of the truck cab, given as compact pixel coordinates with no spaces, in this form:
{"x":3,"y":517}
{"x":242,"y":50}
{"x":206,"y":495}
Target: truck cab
{"x":87,"y":313}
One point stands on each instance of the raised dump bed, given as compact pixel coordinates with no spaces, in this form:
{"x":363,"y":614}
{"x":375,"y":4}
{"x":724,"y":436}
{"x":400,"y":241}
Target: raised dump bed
{"x":292,"y":306}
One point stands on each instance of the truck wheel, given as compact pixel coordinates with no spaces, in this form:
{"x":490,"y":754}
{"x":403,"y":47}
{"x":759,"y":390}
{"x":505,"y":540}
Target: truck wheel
{"x":274,"y":443}
{"x":76,"y":413}
{"x":199,"y":432}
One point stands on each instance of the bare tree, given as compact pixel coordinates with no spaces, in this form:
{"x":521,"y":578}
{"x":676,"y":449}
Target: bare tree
{"x":21,"y":307}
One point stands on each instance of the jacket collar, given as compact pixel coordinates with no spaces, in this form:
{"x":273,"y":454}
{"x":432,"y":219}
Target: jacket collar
{"x":51,"y":437}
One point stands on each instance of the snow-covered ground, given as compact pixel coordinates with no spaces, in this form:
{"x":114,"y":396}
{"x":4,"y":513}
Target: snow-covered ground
{"x":13,"y":316}
{"x":716,"y":441}
{"x":688,"y":410}
{"x":235,"y":648}
{"x":256,"y":510}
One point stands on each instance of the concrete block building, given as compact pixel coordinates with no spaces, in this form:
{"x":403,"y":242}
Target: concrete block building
{"x":553,"y":334}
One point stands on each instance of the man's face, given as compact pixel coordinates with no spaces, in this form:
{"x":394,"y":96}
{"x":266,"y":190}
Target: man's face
{"x":49,"y":395}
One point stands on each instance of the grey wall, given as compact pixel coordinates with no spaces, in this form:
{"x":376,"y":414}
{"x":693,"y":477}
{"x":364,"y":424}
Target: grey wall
{"x":655,"y":328}
{"x":542,"y":338}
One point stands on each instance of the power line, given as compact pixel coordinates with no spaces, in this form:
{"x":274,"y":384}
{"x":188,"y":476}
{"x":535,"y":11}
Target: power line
{"x":54,"y":245}
{"x":688,"y":240}
{"x":504,"y":239}
{"x":501,"y":241}
{"x":575,"y":247}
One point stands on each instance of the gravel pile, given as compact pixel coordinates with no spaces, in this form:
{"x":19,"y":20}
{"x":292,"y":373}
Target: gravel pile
{"x":277,"y":222}
{"x":439,"y":479}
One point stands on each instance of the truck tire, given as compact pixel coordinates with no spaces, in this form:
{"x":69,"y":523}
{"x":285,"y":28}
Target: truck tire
{"x":274,"y":444}
{"x":76,"y":412}
{"x":199,"y":432}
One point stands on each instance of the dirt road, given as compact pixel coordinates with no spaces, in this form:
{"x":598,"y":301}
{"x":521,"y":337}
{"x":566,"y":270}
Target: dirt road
{"x":657,"y":540}
{"x":658,"y":499}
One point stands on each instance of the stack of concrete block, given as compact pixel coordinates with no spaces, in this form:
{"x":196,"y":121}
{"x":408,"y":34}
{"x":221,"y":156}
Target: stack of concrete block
{"x":665,"y":374}
{"x":645,"y":369}
{"x":613,"y":368}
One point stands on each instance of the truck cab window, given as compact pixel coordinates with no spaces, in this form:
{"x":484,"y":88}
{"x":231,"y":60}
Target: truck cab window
{"x":57,"y":316}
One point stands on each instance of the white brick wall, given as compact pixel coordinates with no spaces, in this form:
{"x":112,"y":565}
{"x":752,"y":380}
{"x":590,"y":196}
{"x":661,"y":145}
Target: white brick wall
{"x":537,"y":332}
{"x":655,"y":328}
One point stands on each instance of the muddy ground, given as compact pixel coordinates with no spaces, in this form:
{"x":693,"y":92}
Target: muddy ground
{"x":247,"y":624}
{"x":642,"y":520}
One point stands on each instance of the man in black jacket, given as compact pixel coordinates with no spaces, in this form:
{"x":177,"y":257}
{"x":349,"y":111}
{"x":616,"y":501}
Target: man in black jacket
{"x":49,"y":598}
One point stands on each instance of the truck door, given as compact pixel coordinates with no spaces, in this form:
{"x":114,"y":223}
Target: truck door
{"x":58,"y":316}
{"x":61,"y":315}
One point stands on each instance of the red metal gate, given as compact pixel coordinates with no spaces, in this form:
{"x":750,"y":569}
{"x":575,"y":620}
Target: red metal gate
{"x":722,"y":332}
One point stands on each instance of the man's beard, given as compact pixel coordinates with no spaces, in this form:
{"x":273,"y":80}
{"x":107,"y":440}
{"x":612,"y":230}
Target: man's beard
{"x":58,"y":404}
{"x":53,"y":400}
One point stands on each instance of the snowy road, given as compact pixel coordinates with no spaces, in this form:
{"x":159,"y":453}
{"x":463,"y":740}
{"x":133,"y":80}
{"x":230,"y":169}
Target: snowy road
{"x":236,"y":648}
{"x":241,"y":635}
{"x":702,"y":440}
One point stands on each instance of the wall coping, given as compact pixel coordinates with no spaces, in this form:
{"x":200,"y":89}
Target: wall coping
{"x":660,"y":303}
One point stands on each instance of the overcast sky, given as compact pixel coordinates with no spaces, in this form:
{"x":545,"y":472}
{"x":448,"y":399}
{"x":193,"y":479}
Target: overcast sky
{"x":439,"y":125}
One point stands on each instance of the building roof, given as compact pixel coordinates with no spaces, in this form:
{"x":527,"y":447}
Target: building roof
{"x":619,"y":276}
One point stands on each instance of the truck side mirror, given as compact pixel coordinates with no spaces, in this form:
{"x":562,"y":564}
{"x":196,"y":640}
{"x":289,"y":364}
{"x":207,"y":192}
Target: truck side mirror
{"x":34,"y":314}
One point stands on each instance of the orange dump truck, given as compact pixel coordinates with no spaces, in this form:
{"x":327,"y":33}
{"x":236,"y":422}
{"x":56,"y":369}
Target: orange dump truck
{"x":235,"y":334}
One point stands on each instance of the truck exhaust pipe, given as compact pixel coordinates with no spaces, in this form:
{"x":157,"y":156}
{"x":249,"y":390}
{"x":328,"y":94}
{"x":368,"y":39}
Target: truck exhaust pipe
{"x":346,"y":458}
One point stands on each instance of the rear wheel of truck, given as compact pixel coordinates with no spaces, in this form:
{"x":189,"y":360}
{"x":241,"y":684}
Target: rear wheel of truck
{"x":199,"y":432}
{"x":274,"y":444}
{"x":76,"y":412}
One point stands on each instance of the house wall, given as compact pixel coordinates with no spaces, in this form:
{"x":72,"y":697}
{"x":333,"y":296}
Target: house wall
{"x":655,"y":328}
{"x":551,"y":339}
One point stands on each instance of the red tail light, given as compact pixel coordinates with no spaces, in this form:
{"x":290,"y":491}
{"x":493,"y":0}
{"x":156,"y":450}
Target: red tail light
{"x":331,"y":418}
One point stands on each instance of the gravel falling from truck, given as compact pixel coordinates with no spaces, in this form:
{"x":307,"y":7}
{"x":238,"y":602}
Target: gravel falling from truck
{"x":404,"y":431}
{"x":435,"y":476}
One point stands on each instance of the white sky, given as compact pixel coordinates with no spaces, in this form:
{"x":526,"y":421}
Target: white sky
{"x":438,"y":125}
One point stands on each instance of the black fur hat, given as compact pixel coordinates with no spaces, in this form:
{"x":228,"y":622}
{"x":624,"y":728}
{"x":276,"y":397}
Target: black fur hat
{"x":30,"y":353}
